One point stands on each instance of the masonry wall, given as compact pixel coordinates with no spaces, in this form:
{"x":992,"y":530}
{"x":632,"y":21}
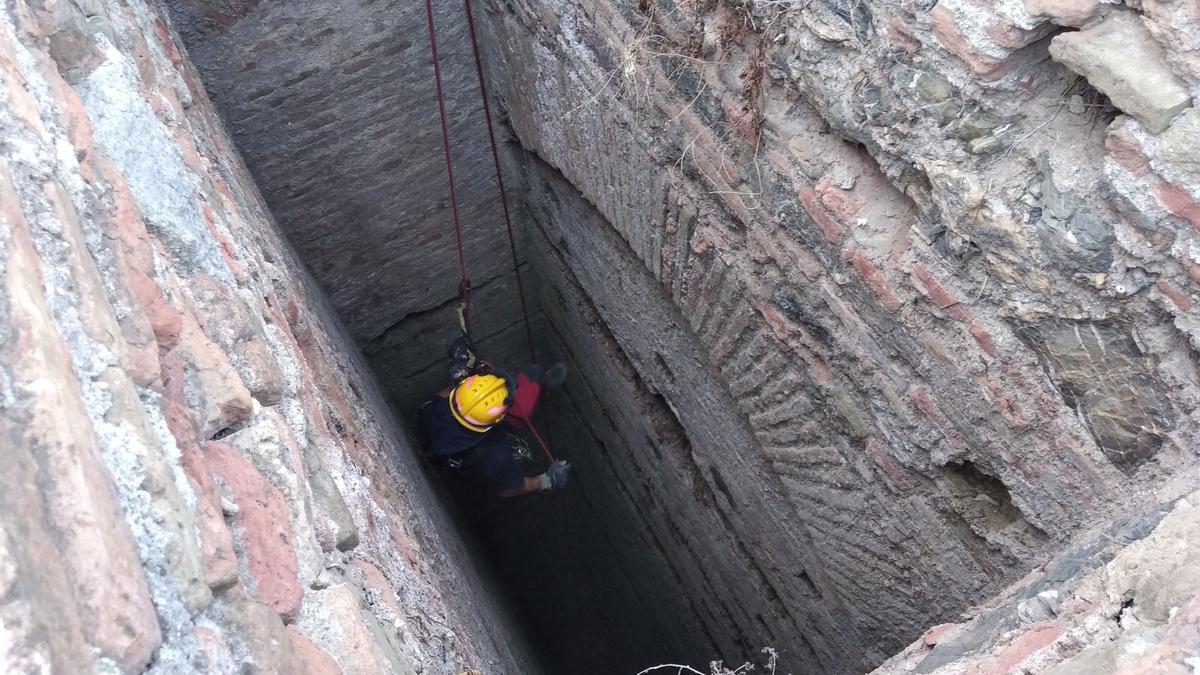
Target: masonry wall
{"x":200,"y":474}
{"x":936,"y":285}
{"x":333,"y":105}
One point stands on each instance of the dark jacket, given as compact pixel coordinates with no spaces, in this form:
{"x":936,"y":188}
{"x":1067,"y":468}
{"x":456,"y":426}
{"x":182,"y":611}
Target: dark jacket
{"x":493,"y":455}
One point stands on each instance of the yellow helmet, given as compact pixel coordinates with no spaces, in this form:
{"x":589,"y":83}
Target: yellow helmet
{"x":479,"y":402}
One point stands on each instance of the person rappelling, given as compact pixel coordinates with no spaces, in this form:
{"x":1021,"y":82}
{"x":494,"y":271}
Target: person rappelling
{"x":481,"y":423}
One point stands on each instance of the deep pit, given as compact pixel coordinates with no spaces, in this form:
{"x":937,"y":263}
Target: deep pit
{"x":870,"y":309}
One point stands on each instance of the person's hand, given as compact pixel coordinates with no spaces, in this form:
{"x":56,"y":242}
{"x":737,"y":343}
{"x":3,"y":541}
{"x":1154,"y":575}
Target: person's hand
{"x":557,"y":475}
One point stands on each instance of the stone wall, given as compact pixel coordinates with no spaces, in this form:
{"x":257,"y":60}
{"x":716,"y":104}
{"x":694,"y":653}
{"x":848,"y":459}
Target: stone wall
{"x":332,"y":104}
{"x":200,"y":476}
{"x":933,"y":290}
{"x":1123,"y":600}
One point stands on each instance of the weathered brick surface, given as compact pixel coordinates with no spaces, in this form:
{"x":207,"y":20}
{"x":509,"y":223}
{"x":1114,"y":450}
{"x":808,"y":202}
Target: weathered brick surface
{"x":334,"y":110}
{"x":1122,"y":601}
{"x":906,"y":338}
{"x":147,"y":305}
{"x":878,"y":306}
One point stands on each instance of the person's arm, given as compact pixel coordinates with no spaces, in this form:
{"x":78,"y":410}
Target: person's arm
{"x":529,"y":485}
{"x":554,"y":477}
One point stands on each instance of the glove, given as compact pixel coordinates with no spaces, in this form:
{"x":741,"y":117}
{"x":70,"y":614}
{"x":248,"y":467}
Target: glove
{"x":556,"y":476}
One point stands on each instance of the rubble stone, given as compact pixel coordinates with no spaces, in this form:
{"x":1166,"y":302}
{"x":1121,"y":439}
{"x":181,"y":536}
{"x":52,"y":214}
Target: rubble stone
{"x":334,"y":620}
{"x":1177,"y":145}
{"x":257,"y":638}
{"x":1065,"y":12}
{"x":268,"y":444}
{"x":147,"y":305}
{"x":313,"y":659}
{"x":1119,"y":57}
{"x":262,"y":526}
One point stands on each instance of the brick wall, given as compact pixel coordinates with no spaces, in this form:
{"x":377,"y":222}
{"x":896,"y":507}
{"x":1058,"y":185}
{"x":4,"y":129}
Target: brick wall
{"x":199,"y":475}
{"x":332,"y":104}
{"x":941,"y":282}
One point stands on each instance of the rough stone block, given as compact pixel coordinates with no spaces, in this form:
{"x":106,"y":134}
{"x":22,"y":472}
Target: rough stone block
{"x":261,"y":528}
{"x":335,"y":523}
{"x":961,"y":29}
{"x":212,"y":388}
{"x":312,"y":659}
{"x":1103,"y":373}
{"x":334,"y":620}
{"x":1064,"y":12}
{"x":1111,"y":657}
{"x":216,"y":542}
{"x":73,"y":42}
{"x":270,"y":447}
{"x":1179,"y":146}
{"x":256,"y":636}
{"x":1120,"y":58}
{"x":230,"y":323}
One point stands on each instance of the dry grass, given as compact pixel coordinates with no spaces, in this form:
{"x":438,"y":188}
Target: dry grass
{"x":718,"y":667}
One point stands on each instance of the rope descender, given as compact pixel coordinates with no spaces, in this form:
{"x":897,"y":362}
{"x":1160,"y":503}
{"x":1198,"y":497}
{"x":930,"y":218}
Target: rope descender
{"x":464,"y":305}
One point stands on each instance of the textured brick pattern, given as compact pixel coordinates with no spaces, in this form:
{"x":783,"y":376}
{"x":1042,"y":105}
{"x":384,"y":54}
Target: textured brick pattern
{"x":332,"y":105}
{"x":193,"y":453}
{"x":888,"y":232}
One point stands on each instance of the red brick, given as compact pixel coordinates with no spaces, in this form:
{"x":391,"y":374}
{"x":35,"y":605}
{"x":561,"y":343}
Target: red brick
{"x":1005,"y":401}
{"x":1126,"y":150}
{"x":820,"y":372}
{"x":900,"y":477}
{"x":1038,"y":636}
{"x":216,"y":543}
{"x":874,"y":279}
{"x":987,"y":67}
{"x":1179,"y":202}
{"x":779,"y":325}
{"x":93,"y":544}
{"x":313,"y":659}
{"x":840,"y":203}
{"x":263,"y":530}
{"x":920,"y":398}
{"x":1182,"y":300}
{"x":135,"y":259}
{"x":1193,"y":269}
{"x":19,"y":101}
{"x":940,"y":295}
{"x":934,"y":635}
{"x":899,"y":35}
{"x":984,"y":339}
{"x":830,"y":227}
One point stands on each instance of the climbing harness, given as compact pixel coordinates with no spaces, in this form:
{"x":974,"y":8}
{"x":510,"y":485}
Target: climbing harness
{"x":464,"y":283}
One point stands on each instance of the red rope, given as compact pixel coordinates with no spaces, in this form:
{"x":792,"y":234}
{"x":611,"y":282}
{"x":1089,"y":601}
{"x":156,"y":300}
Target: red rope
{"x":487,"y":115}
{"x":542,"y":442}
{"x":464,"y":282}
